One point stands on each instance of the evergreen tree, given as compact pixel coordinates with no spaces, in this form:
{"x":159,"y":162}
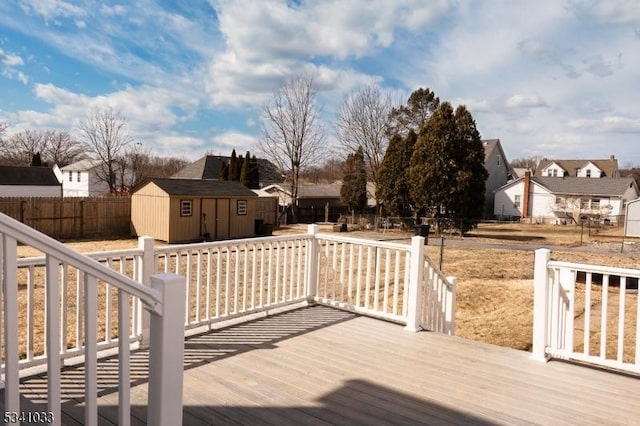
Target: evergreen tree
{"x":446,"y":172}
{"x":234,"y":166}
{"x":244,"y":170}
{"x":354,"y":184}
{"x":224,"y":172}
{"x":420,"y":106}
{"x":393,"y":188}
{"x":254,"y":174}
{"x":36,"y":160}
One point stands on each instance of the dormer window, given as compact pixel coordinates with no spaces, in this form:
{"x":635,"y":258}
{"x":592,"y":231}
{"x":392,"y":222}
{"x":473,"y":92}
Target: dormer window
{"x":588,"y":173}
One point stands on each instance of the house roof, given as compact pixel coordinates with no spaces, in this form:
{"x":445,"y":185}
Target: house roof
{"x":320,"y":191}
{"x":82,"y":165}
{"x":582,"y":186}
{"x":491,"y":145}
{"x":201,"y":187}
{"x":608,"y":166}
{"x":208,"y":167}
{"x":34,"y":176}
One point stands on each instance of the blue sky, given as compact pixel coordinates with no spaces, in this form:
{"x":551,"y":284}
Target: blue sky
{"x":558,"y":79}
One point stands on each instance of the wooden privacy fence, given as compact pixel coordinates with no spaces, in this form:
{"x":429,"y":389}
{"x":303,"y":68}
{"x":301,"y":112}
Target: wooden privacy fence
{"x":74,"y":217}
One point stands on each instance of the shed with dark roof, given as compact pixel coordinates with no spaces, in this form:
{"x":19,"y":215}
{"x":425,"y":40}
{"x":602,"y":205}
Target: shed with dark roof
{"x":187,"y":210}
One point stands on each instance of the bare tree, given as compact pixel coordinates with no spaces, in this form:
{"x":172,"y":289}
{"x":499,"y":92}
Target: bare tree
{"x":20,"y":148}
{"x":134,"y":166}
{"x":292,"y":133}
{"x":530,"y":163}
{"x":363,"y":121}
{"x":61,"y":148}
{"x":105,"y":133}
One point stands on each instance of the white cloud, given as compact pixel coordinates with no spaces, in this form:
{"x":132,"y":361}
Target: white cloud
{"x":608,"y":11}
{"x":51,"y":9}
{"x":115,"y":10}
{"x":8,"y":63}
{"x":227,"y":141}
{"x":523,"y":101}
{"x":608,"y":124}
{"x":473,"y":105}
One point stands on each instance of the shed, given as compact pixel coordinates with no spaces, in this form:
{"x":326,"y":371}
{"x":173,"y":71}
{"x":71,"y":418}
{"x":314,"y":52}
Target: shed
{"x":632,"y":219}
{"x":185,"y":210}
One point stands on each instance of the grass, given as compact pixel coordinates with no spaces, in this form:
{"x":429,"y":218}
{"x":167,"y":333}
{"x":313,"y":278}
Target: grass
{"x":494,"y":292}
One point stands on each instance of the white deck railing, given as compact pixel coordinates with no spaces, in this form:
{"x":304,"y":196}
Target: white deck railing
{"x":586,"y":313}
{"x":59,"y":297}
{"x":225,"y":281}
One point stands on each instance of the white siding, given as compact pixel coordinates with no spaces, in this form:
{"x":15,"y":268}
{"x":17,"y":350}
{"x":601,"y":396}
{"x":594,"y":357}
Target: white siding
{"x":553,"y":170}
{"x":89,"y":185}
{"x":590,"y":170}
{"x":632,"y":219}
{"x":29,"y":191}
{"x":505,"y":200}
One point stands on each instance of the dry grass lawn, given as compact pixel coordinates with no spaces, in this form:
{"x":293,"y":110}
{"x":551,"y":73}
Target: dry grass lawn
{"x":494,"y":295}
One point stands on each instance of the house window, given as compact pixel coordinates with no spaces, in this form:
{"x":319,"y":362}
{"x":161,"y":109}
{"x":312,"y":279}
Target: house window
{"x":555,"y":172}
{"x":498,"y":160}
{"x":517,"y":201}
{"x":588,"y":172}
{"x":242,"y":207}
{"x":186,"y":207}
{"x":70,"y":176}
{"x":78,"y":176}
{"x":595,"y":203}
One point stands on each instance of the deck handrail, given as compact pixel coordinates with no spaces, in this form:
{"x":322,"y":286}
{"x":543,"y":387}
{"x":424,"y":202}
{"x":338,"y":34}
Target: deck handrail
{"x":58,"y":250}
{"x":562,"y":330}
{"x":166,"y":345}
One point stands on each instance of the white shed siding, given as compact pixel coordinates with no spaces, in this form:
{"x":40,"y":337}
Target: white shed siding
{"x":632,"y":219}
{"x":30,"y":191}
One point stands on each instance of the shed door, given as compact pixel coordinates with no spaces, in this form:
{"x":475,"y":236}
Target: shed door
{"x":222,"y":219}
{"x":208,"y":222}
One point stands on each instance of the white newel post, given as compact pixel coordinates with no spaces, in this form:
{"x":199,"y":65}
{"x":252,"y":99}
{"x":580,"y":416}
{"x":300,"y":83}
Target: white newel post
{"x":450,"y":308}
{"x":166,"y":354}
{"x":146,"y":267}
{"x":414,"y":307}
{"x":311,"y":275}
{"x":540,"y":308}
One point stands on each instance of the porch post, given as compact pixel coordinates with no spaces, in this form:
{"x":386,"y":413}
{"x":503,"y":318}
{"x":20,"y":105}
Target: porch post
{"x":414,"y":307}
{"x":540,"y":308}
{"x":146,"y":266}
{"x":166,"y":352}
{"x":450,"y":307}
{"x":312,"y":266}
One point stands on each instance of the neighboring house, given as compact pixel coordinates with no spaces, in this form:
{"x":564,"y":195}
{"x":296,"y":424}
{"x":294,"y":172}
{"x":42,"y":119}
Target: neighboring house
{"x":632,"y":219}
{"x":519,"y":172}
{"x":29,"y":182}
{"x":209,"y":166}
{"x":183,"y":210}
{"x":579,"y":168}
{"x":562,"y":200}
{"x":81,"y":179}
{"x":495,"y":161}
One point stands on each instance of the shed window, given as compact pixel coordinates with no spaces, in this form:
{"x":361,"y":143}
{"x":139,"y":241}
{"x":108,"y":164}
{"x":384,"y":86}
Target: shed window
{"x":186,"y":207}
{"x":242,"y":207}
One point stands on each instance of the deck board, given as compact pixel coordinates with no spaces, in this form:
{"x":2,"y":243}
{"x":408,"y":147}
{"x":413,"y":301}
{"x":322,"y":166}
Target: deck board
{"x":320,"y":366}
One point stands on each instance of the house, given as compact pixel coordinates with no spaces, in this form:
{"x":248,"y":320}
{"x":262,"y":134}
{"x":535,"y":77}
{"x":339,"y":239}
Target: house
{"x":562,"y":200}
{"x":29,"y":182}
{"x":578,"y":168}
{"x":183,"y":210}
{"x":209,"y":166}
{"x":495,"y":161}
{"x":82,"y":179}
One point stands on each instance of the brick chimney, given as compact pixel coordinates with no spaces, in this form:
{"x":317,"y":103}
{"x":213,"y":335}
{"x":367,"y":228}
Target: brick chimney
{"x":525,"y":195}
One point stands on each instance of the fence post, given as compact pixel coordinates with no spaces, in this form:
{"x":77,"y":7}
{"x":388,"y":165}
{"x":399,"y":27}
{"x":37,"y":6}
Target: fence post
{"x":311,"y":275}
{"x":540,"y":307}
{"x":146,"y":267}
{"x":166,"y":354}
{"x":450,"y":307}
{"x":414,"y":307}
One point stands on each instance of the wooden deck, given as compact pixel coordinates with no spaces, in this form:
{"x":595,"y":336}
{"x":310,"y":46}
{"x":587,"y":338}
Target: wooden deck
{"x":318,"y":365}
